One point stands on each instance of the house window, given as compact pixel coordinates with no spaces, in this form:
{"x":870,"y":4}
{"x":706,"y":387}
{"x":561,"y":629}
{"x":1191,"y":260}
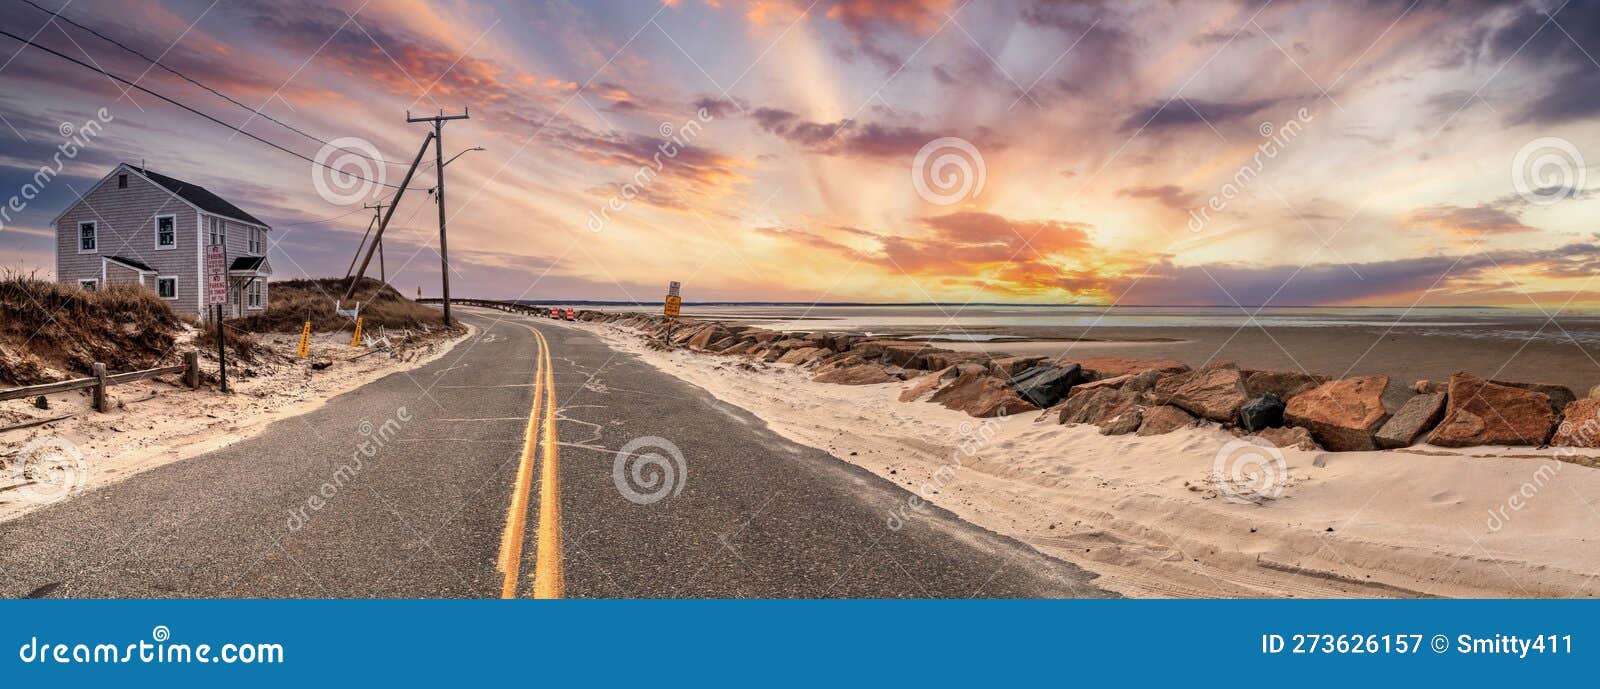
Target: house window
{"x":218,"y":230}
{"x":122,"y":181}
{"x":89,"y":285}
{"x":87,"y":238}
{"x":167,"y":288}
{"x":252,"y":294}
{"x":256,"y":237}
{"x":166,"y":231}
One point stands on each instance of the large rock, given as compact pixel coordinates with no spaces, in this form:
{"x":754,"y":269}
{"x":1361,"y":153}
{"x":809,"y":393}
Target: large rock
{"x":1560,"y":395}
{"x":1290,"y":437}
{"x":1012,"y":365}
{"x":1123,"y":422}
{"x":1581,"y":428}
{"x":1044,"y":386}
{"x":1108,"y":366}
{"x":1261,"y":413}
{"x":1113,"y":382}
{"x":707,"y":335}
{"x":1214,"y":392}
{"x":981,"y":395}
{"x":1144,"y":381}
{"x":927,"y":384}
{"x":1483,"y":413}
{"x":1284,"y":384}
{"x":1163,"y":419}
{"x":1342,"y":414}
{"x":1417,"y":416}
{"x":799,"y":355}
{"x":861,"y":373}
{"x":1097,"y":406}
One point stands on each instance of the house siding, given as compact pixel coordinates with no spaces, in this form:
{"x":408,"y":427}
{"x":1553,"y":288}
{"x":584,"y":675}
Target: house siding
{"x":238,"y":243}
{"x":125,"y":222}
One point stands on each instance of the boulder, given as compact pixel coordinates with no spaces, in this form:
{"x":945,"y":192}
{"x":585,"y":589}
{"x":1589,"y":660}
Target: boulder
{"x":746,"y":347}
{"x":926,"y":385}
{"x":1426,"y":387}
{"x":1417,"y":416}
{"x":1479,"y":412}
{"x":1097,"y":406}
{"x":861,"y":373}
{"x":1012,"y":365}
{"x":1290,"y":437}
{"x":1108,"y":366}
{"x":1113,"y":382}
{"x":1284,"y":384}
{"x":799,"y":355}
{"x":1343,"y":414}
{"x":1214,"y":392}
{"x":1581,"y":428}
{"x":1123,"y":422}
{"x":707,"y":335}
{"x":1044,"y":386}
{"x":1560,"y":395}
{"x":1594,"y":392}
{"x":1163,"y":419}
{"x":1261,"y":413}
{"x":940,"y":358}
{"x":1144,"y":381}
{"x":980,"y":395}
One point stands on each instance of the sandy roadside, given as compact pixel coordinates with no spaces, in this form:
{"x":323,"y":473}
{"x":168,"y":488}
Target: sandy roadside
{"x":158,"y":421}
{"x":1148,"y":515}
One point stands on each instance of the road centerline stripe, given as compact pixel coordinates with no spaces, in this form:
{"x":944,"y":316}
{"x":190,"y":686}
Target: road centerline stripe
{"x":511,"y":538}
{"x":549,"y":580}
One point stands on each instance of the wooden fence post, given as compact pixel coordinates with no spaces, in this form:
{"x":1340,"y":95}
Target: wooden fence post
{"x":100,"y":403}
{"x":191,"y":369}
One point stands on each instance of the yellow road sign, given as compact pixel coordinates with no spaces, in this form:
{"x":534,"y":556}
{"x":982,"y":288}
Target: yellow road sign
{"x":673,"y":306}
{"x":356,"y":341}
{"x":305,"y":341}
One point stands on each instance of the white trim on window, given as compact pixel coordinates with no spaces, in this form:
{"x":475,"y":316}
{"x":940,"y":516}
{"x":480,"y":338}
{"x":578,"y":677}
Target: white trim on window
{"x":174,"y":244}
{"x":94,"y":237}
{"x":91,"y":285}
{"x":252,"y":295}
{"x":167,"y":278}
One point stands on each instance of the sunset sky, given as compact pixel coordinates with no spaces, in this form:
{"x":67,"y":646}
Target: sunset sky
{"x":1380,"y":141}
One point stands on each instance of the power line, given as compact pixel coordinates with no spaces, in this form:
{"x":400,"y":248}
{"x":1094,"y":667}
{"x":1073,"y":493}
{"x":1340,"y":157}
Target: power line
{"x":167,"y":99}
{"x":254,"y":111}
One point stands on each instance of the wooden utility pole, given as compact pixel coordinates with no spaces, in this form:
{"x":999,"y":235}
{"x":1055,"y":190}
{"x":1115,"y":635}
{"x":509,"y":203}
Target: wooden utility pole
{"x":384,"y":223}
{"x":438,"y":158}
{"x":383,"y":273}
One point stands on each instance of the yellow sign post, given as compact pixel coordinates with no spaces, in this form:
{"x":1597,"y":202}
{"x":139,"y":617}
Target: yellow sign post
{"x":305,"y":341}
{"x":356,"y":341}
{"x":674,"y":305}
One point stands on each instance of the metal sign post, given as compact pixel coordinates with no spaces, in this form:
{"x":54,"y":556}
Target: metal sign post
{"x":217,"y":295}
{"x":673,"y":306}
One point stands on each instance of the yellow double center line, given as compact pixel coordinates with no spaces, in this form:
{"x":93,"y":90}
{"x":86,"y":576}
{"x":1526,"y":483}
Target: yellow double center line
{"x":548,"y":581}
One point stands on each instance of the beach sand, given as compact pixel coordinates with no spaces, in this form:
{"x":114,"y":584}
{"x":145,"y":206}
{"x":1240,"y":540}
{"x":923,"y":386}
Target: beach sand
{"x":158,"y":421}
{"x":1149,"y":515}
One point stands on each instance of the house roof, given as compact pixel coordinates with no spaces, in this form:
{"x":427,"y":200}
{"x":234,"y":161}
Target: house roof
{"x":201,"y":197}
{"x":131,"y":263}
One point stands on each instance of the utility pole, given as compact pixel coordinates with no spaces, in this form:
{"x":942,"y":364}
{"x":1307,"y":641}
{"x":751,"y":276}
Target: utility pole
{"x":383,"y":273}
{"x":438,"y":158}
{"x":383,"y":223}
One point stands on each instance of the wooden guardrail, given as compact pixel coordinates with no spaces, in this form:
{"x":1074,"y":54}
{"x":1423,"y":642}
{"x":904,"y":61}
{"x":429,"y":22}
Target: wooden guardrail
{"x":507,"y":306}
{"x":101,"y":380}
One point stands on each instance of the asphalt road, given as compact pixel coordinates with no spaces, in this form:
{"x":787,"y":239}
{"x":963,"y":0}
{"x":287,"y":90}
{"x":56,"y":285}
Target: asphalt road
{"x":301,"y":511}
